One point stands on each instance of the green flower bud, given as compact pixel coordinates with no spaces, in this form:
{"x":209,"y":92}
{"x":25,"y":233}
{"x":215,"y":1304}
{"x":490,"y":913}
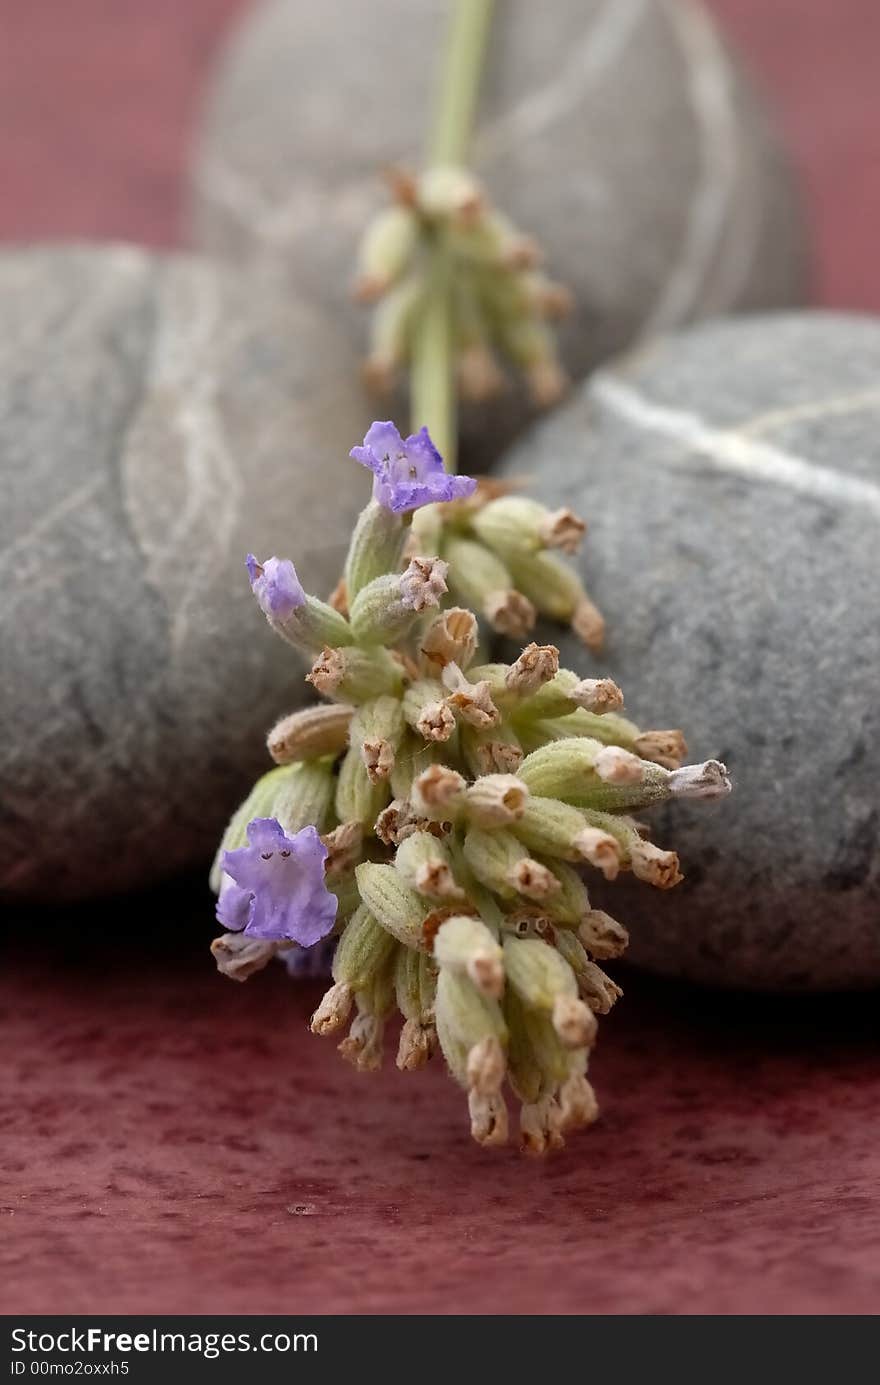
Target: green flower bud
{"x":466,"y":945}
{"x":480,"y":579}
{"x":353,"y":674}
{"x":306,"y":798}
{"x":358,"y":797}
{"x":377,"y":731}
{"x":383,"y":610}
{"x":597,"y":989}
{"x":376,"y":547}
{"x":386,"y":250}
{"x":466,"y":1019}
{"x":391,"y":330}
{"x":416,"y":988}
{"x":646,"y":861}
{"x":515,"y":524}
{"x":587,"y":772}
{"x":501,"y":863}
{"x":392,"y":902}
{"x":544,"y":981}
{"x":570,"y":902}
{"x":565,"y":693}
{"x":363,"y":950}
{"x":425,"y":709}
{"x":313,"y":732}
{"x":424,"y":863}
{"x":556,"y":591}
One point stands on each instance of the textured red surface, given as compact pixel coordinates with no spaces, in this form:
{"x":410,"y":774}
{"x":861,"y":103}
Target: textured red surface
{"x":173,"y":1142}
{"x":176,"y":1142}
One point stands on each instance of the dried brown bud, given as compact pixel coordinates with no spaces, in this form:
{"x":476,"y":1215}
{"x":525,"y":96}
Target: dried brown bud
{"x":334,"y":1009}
{"x":656,"y":867}
{"x":479,"y":377}
{"x":666,"y":748}
{"x":614,"y":765}
{"x":598,"y":695}
{"x":547,"y":382}
{"x":588,"y":624}
{"x":510,"y":613}
{"x":601,"y":935}
{"x":438,"y":791}
{"x":417,"y":1043}
{"x":435,"y":722}
{"x":537,"y":664}
{"x":338,"y":598}
{"x":496,"y":800}
{"x":378,"y":757}
{"x":577,"y":1102}
{"x":343,"y":847}
{"x":562,"y":529}
{"x":533,"y":879}
{"x":363,"y":1045}
{"x":472,"y":701}
{"x":450,"y":639}
{"x":312,"y":732}
{"x":600,"y":849}
{"x":574,"y":1022}
{"x":423,"y":583}
{"x":238,"y":956}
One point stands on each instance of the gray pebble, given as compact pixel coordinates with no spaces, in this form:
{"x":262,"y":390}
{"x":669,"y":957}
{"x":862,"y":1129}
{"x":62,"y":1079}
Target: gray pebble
{"x":731,"y":480}
{"x":158,"y":420}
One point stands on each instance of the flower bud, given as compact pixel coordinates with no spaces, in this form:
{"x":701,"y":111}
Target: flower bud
{"x":425,"y":709}
{"x":416,"y":985}
{"x":364,"y":950}
{"x":239,"y":956}
{"x":556,"y":591}
{"x":308,"y":734}
{"x":496,"y":800}
{"x":472,"y":1033}
{"x":386,"y":250}
{"x":570,"y":901}
{"x":344,"y":846}
{"x":362,"y":1046}
{"x":306,"y":797}
{"x":551,"y":827}
{"x":439,"y":793}
{"x":466,"y":944}
{"x":304,"y":621}
{"x":353,"y":674}
{"x":537,"y":665}
{"x":391,"y":328}
{"x":494,"y":751}
{"x":377,"y":730}
{"x":577,"y":1102}
{"x":359,"y":798}
{"x":537,"y":972}
{"x":471,"y":701}
{"x":334,"y":1009}
{"x":667,"y":748}
{"x":451,"y":638}
{"x":424,"y":864}
{"x":479,"y":579}
{"x":392,"y":902}
{"x":385,"y":608}
{"x":597,"y":989}
{"x":376,"y":547}
{"x":601,"y":935}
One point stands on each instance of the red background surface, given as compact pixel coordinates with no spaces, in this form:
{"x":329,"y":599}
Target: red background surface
{"x":175,"y":1143}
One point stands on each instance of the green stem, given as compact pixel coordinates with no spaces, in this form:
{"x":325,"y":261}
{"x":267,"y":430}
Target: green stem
{"x":432,"y":392}
{"x":460,"y":82}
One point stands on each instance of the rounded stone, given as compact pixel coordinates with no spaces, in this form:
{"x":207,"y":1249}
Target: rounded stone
{"x":731,"y":481}
{"x":622,"y":135}
{"x":158,"y":420}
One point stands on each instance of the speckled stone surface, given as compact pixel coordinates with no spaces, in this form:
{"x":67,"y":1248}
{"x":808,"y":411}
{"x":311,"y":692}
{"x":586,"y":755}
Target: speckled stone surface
{"x":577,"y":117}
{"x":731,"y":479}
{"x":158,"y":420}
{"x":176,"y":1143}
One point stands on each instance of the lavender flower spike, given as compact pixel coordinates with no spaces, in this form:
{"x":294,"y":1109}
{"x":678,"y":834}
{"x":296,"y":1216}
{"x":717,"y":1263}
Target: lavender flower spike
{"x":408,"y":473}
{"x":284,"y":877}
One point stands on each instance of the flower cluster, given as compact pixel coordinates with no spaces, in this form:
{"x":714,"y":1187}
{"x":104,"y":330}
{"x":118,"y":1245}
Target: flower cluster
{"x":501,"y":302}
{"x":439,"y":815}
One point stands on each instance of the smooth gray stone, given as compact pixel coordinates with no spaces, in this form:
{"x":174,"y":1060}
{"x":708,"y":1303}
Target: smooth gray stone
{"x":731,"y":481}
{"x":619,"y":132}
{"x":158,"y":419}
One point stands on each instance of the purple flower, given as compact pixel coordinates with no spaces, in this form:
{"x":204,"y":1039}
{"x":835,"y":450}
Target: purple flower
{"x":309,"y":963}
{"x":276,"y":586}
{"x":408,"y":473}
{"x":282,"y":879}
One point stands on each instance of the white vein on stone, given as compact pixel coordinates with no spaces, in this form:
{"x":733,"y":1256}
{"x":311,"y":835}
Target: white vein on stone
{"x":276,"y":220}
{"x":538,"y":112}
{"x":708,"y":75}
{"x":730,"y":450}
{"x":833,"y":406}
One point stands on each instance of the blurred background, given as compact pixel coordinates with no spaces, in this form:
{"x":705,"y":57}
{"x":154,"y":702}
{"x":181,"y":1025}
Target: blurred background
{"x":99,"y":100}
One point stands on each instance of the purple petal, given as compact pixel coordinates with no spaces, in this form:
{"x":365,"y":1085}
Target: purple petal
{"x":233,"y":905}
{"x":408,"y":473}
{"x":284,"y":877}
{"x":276,"y":586}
